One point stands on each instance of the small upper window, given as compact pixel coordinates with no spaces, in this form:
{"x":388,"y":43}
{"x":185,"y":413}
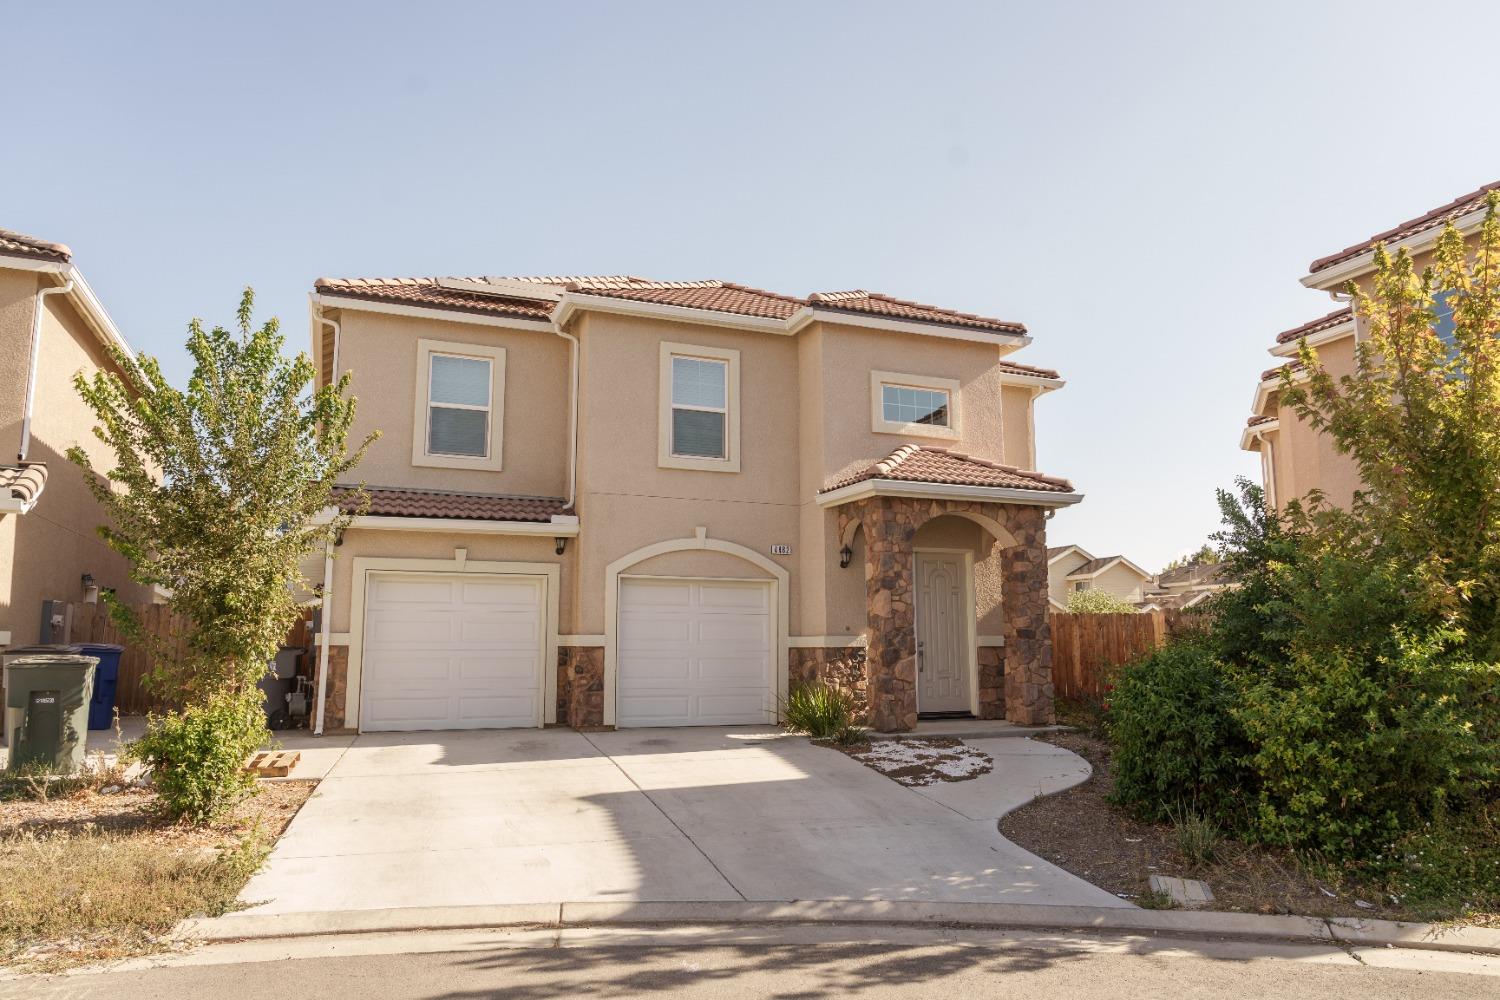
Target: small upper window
{"x":1443,"y":325}
{"x":458,"y":400}
{"x":914,"y":405}
{"x":909,"y":405}
{"x":700,"y":407}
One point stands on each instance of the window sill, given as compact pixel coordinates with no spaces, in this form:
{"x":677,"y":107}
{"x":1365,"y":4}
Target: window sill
{"x":916,"y":430}
{"x":456,"y":462}
{"x":698,"y":464}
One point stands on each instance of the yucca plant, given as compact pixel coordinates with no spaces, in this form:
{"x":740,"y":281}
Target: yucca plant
{"x":820,"y":710}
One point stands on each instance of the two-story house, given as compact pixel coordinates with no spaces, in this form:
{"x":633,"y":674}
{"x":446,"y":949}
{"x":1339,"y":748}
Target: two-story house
{"x":1295,"y":458}
{"x":609,"y":501}
{"x":51,"y":327}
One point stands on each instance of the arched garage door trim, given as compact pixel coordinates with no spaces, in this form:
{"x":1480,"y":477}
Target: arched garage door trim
{"x":781,"y":600}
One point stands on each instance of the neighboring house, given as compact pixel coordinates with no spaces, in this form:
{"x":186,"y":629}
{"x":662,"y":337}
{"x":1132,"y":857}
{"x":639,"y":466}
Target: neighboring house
{"x":51,"y":326}
{"x":1185,"y":587}
{"x":1072,"y":568}
{"x":615,"y":501}
{"x":1295,"y":458}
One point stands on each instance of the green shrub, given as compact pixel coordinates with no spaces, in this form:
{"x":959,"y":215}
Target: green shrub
{"x":1353,"y":750}
{"x":197,"y":757}
{"x":818,"y":709}
{"x":1178,"y":746}
{"x":1098,"y":602}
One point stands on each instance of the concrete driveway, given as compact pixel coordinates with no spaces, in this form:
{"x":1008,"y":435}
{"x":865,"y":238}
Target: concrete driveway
{"x":527,"y":816}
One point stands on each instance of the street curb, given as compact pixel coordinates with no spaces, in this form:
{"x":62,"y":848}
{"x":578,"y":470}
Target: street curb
{"x":1016,"y":916}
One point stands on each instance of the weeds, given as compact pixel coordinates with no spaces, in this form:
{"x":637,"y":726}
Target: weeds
{"x":1197,"y":837}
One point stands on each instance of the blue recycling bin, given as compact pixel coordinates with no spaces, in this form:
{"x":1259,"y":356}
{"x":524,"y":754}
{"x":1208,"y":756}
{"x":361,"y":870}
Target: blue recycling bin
{"x":106,"y":677}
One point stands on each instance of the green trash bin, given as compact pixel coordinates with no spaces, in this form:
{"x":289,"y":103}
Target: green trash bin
{"x":47,"y":697}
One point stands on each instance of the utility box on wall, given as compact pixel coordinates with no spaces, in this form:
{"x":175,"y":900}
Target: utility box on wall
{"x":55,"y":625}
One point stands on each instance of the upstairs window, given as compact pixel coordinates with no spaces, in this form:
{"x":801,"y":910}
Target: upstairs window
{"x":700,"y":407}
{"x":460,"y":406}
{"x":914,"y":405}
{"x":905,"y":404}
{"x":699,"y":419}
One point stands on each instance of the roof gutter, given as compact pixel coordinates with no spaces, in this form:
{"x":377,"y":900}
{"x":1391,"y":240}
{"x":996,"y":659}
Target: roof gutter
{"x":1333,"y":277}
{"x":944,"y":491}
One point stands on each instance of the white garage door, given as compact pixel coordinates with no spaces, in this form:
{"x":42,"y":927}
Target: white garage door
{"x":452,"y":651}
{"x":694,"y":653}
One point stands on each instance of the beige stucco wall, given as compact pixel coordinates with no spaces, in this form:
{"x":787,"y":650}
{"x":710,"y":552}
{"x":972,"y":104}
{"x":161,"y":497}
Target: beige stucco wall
{"x":381,"y":351}
{"x":46,"y":551}
{"x":383,"y":544}
{"x":804,"y":414}
{"x":1306,"y":459}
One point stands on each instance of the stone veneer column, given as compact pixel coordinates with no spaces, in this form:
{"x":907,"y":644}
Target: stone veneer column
{"x":889,"y":526}
{"x":1028,"y":636}
{"x":580,"y":689}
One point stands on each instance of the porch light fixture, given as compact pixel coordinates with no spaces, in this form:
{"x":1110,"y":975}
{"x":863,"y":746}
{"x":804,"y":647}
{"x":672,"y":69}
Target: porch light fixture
{"x":845,"y":555}
{"x":561,"y":543}
{"x":90,"y":589}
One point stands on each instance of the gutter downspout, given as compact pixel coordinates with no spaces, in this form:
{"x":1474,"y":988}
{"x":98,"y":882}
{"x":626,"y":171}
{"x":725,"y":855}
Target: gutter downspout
{"x":325,"y":608}
{"x":572,"y":414}
{"x":325,"y":612}
{"x":36,"y":344}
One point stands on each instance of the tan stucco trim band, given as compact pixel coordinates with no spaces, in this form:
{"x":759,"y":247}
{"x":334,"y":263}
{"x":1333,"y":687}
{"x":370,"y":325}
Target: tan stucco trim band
{"x":944,"y":491}
{"x":828,"y":641}
{"x":993,"y":640}
{"x":580,"y":640}
{"x":459,"y":525}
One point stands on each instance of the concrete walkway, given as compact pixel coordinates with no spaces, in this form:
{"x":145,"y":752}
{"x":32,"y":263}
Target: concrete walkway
{"x":532,"y":816}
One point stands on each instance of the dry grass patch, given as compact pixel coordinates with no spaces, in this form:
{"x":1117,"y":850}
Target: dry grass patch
{"x":88,"y":877}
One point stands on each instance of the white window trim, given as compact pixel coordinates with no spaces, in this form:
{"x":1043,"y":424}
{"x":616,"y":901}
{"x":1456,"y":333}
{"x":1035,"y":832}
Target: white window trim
{"x":496,"y":356}
{"x":880,"y":425}
{"x":664,"y":457}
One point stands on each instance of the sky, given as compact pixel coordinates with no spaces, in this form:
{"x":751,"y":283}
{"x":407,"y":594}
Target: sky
{"x":1141,"y":184}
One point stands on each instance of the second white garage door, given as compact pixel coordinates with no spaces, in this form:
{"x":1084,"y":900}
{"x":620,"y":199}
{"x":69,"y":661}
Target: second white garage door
{"x":452,"y":651}
{"x":694,"y":653}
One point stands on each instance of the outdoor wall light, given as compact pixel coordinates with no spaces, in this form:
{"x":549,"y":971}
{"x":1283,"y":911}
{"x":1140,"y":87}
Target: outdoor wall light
{"x":562,"y":543}
{"x":90,"y":589}
{"x":845,"y":555}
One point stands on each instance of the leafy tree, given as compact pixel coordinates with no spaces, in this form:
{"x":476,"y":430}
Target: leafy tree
{"x":1097,"y":602}
{"x":215,"y":495}
{"x":1206,"y":555}
{"x":1420,"y":416}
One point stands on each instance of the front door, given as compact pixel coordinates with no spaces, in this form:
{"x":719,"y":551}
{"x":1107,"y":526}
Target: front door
{"x":942,"y":633}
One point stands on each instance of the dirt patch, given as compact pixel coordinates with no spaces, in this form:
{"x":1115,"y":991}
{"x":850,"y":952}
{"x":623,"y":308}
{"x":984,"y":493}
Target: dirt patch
{"x":91,"y":877}
{"x":918,"y":762}
{"x":1078,"y":830}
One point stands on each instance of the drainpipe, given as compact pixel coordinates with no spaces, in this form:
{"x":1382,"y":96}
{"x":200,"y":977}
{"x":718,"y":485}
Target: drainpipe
{"x":572,"y":414}
{"x":325,"y":612}
{"x":325,"y":607}
{"x":36,"y":344}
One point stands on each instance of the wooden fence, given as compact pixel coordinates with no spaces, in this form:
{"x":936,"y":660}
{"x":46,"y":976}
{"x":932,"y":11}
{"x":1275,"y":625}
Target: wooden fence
{"x":1085,"y":648}
{"x":90,"y":623}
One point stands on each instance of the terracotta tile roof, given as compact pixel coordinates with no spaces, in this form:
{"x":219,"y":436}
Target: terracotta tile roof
{"x":1016,"y":368}
{"x":1328,"y":322}
{"x":1264,"y":418}
{"x":915,"y":464}
{"x":23,"y":482}
{"x":876,"y":304}
{"x":712,"y":295}
{"x":14,"y":244}
{"x":393,"y":502}
{"x":1270,"y":373}
{"x":716,"y":296}
{"x":427,"y":292}
{"x":1432,"y":220}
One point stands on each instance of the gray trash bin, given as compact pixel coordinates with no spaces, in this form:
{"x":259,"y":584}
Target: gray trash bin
{"x":51,"y":693}
{"x":12,"y":716}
